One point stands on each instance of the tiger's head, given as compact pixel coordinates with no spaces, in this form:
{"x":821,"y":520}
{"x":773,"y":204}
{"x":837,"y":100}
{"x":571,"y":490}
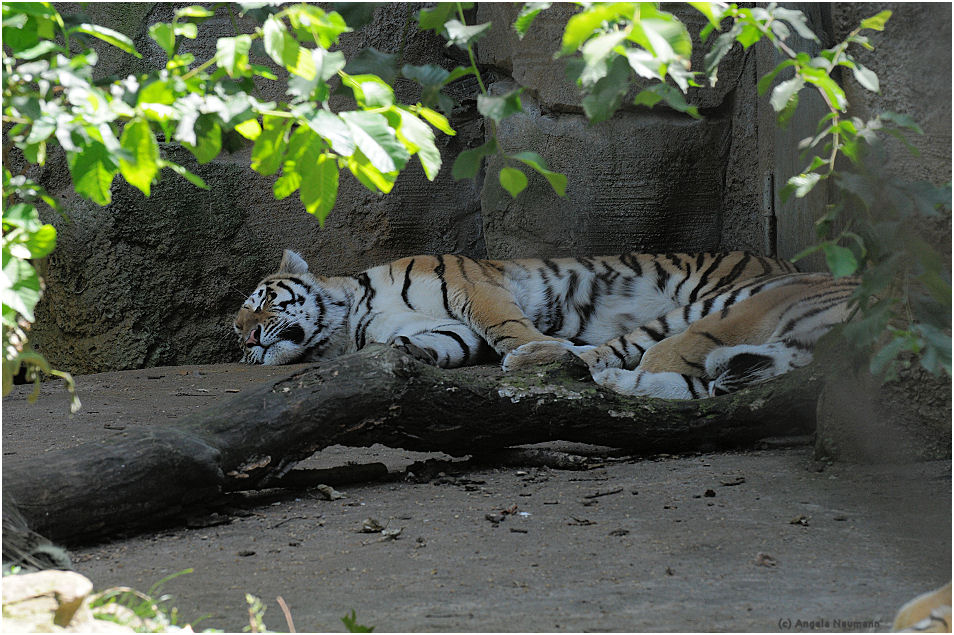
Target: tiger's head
{"x":291,"y":316}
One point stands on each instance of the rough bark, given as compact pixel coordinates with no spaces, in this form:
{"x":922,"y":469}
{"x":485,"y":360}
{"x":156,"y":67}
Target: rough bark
{"x":378,"y":395}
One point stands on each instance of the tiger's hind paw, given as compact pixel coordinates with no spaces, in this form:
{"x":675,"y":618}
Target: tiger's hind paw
{"x":404,"y":344}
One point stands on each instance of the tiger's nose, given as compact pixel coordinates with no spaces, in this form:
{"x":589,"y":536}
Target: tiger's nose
{"x":252,"y":338}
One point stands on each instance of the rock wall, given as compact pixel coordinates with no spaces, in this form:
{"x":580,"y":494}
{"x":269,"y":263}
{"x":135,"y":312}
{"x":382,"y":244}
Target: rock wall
{"x":153,"y":281}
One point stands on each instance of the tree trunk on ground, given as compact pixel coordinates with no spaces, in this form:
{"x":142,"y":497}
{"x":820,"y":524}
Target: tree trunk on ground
{"x":378,"y":395}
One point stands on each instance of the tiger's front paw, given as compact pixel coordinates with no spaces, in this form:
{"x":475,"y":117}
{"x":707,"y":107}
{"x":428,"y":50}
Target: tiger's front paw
{"x":536,"y":353}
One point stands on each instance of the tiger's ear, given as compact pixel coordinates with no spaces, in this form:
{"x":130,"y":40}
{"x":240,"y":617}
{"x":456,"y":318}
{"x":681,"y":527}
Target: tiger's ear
{"x":292,"y":263}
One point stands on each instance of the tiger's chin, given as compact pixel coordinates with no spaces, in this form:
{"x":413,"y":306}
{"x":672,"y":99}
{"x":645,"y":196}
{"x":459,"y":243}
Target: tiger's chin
{"x":275,"y":355}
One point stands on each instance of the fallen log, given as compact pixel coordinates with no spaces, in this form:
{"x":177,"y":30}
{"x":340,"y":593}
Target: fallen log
{"x":378,"y":395}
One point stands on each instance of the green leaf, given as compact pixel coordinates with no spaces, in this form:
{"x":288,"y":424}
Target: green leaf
{"x":712,"y":12}
{"x":595,"y":53}
{"x":902,"y":120}
{"x":138,"y":141}
{"x":186,"y":29}
{"x":418,"y":138}
{"x":500,"y":107}
{"x":876,"y":22}
{"x":370,"y":91}
{"x":164,"y":36}
{"x":370,"y":61}
{"x":941,"y":343}
{"x":669,"y":94}
{"x":327,"y":64}
{"x":22,"y":215}
{"x":44,"y":47}
{"x":319,"y":186}
{"x":433,"y":19}
{"x":437,"y":120}
{"x":304,"y":145}
{"x":785,"y":92}
{"x":351,"y":621}
{"x":208,"y":135}
{"x":311,"y":20}
{"x":720,"y":48}
{"x":535,"y":161}
{"x":332,"y":129}
{"x":432,"y":78}
{"x":464,"y":35}
{"x":115,"y":38}
{"x":267,"y":151}
{"x":19,"y":286}
{"x":528,"y":13}
{"x":93,"y":169}
{"x":285,"y":51}
{"x":467,"y":163}
{"x":195,"y":11}
{"x":798,"y":21}
{"x":820,"y":78}
{"x":513,"y":180}
{"x":887,"y":353}
{"x":369,"y":176}
{"x":788,"y":112}
{"x":866,"y":77}
{"x":841,"y":260}
{"x":42,"y":241}
{"x":231,"y":53}
{"x":748,"y":36}
{"x":250,"y":129}
{"x":802,"y":184}
{"x":181,"y":171}
{"x":376,"y":140}
{"x":769,"y":77}
{"x":582,"y":26}
{"x":607,"y":94}
{"x":357,"y":14}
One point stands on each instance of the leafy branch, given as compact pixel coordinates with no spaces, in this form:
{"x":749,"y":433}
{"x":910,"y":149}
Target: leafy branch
{"x":448,"y":20}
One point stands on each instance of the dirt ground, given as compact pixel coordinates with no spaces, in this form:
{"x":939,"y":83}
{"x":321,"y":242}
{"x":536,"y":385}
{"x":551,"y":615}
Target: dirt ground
{"x":756,"y":540}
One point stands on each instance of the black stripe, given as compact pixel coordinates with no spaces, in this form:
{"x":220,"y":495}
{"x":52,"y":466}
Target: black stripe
{"x":736,"y":271}
{"x":368,"y":294}
{"x":729,"y":301}
{"x":407,"y":284}
{"x":692,"y":389}
{"x":439,"y":272}
{"x":631,"y":260}
{"x":704,"y":278}
{"x":710,"y":336}
{"x":656,"y":335}
{"x":460,"y":341}
{"x":293,"y":333}
{"x":501,"y":323}
{"x":500,"y":339}
{"x":692,"y":364}
{"x":662,"y":276}
{"x":794,"y":343}
{"x":463,"y":271}
{"x":807,"y":314}
{"x":618,"y":354}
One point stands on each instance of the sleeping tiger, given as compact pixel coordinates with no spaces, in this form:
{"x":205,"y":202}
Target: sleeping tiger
{"x":666,"y":325}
